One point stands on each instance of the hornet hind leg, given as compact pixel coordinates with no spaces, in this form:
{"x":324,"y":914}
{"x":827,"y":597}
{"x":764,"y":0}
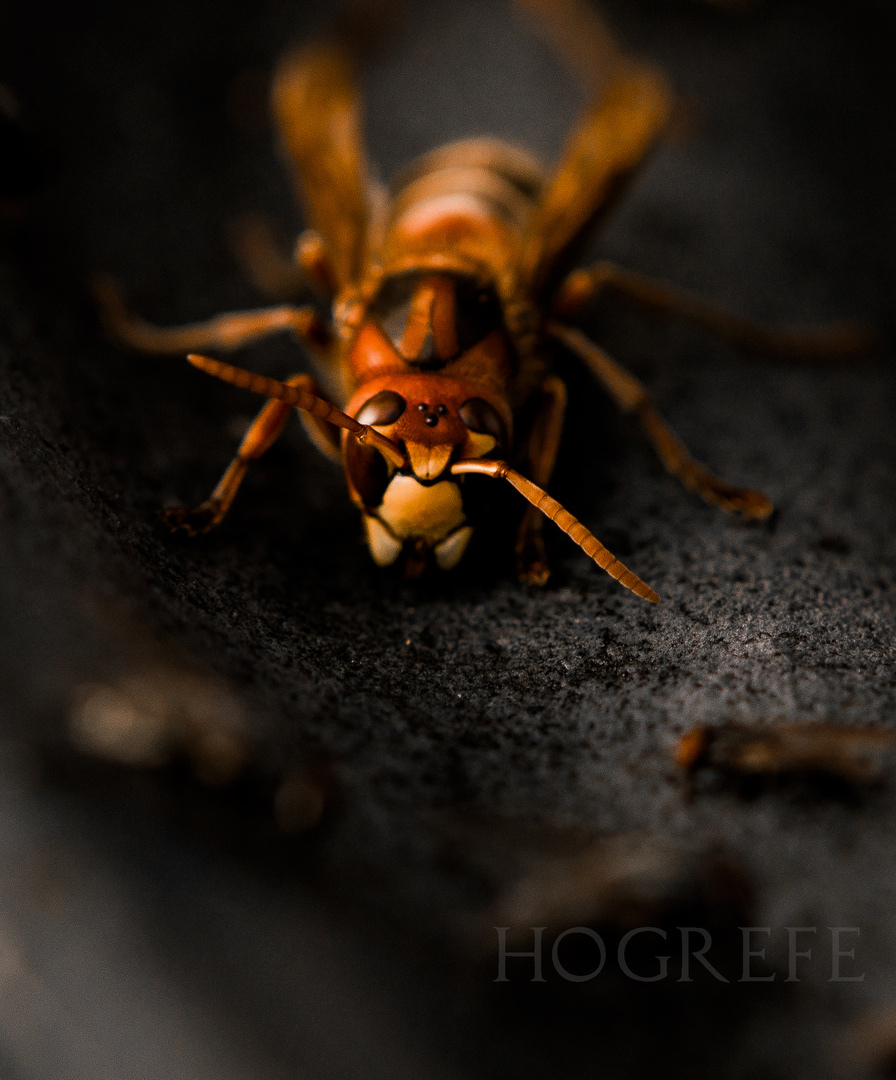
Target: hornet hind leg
{"x":631,"y":396}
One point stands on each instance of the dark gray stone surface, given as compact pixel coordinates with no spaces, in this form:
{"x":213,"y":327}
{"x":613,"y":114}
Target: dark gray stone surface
{"x":477,"y":730}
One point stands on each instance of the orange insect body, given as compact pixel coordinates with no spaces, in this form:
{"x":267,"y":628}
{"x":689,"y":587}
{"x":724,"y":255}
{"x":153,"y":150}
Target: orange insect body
{"x":443,"y":293}
{"x":431,"y":362}
{"x":431,"y":365}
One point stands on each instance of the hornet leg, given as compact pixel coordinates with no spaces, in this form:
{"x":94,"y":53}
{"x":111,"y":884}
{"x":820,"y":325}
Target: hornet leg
{"x":541,"y":451}
{"x":229,"y":331}
{"x":264,"y":431}
{"x":631,"y":396}
{"x":832,"y":341}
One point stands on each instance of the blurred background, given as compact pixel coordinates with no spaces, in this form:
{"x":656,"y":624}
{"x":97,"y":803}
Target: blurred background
{"x":261,"y":804}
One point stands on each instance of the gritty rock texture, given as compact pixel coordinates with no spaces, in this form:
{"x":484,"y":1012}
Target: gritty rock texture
{"x":474,"y":729}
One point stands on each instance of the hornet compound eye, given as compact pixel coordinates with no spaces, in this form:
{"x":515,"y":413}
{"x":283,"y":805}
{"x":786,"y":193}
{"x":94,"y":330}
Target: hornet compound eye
{"x":382,"y":409}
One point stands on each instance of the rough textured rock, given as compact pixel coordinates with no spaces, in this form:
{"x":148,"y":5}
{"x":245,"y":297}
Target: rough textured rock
{"x":473,"y":729}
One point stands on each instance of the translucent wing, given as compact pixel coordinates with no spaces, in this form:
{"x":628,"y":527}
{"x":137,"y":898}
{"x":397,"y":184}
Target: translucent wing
{"x":317,"y":111}
{"x":603,"y":153}
{"x":629,"y":109}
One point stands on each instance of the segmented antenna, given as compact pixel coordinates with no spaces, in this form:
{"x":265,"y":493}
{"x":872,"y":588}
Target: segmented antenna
{"x":301,"y":399}
{"x":574,"y":529}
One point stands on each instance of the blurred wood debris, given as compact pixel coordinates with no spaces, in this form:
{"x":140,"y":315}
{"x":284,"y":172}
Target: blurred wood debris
{"x":558,"y":878}
{"x":622,"y":882}
{"x":305,"y":793}
{"x":854,"y":755}
{"x":870,"y":1042}
{"x":152,"y":714}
